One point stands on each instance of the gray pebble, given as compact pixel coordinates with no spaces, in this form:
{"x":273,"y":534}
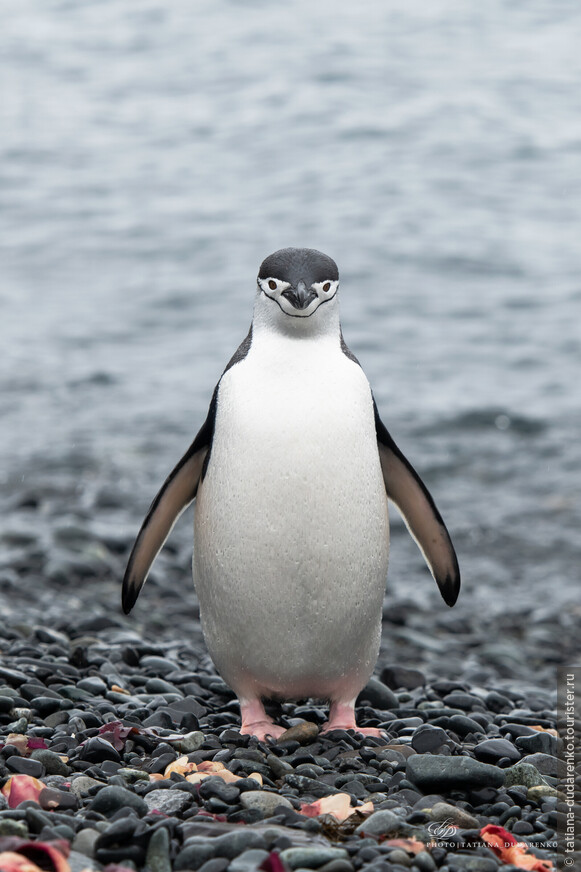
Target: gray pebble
{"x":217,"y":864}
{"x":195,"y":854}
{"x":443,"y":811}
{"x":110,"y":799}
{"x":25,"y":766}
{"x":189,"y":742}
{"x":425,"y":862}
{"x":474,"y":863}
{"x":400,"y":676}
{"x":248,"y":861}
{"x":78,"y":862}
{"x":264,"y":801}
{"x":81,"y":785}
{"x":234,"y":843}
{"x":543,"y":743}
{"x":379,"y":695}
{"x":52,"y":763}
{"x":492,"y":750}
{"x":523,"y":773}
{"x":84,"y":841}
{"x":10,"y":827}
{"x":429,"y":738}
{"x":430,"y":771}
{"x":312,"y":856}
{"x":380,"y":823}
{"x":157,"y":858}
{"x":547,"y":765}
{"x":167,"y":801}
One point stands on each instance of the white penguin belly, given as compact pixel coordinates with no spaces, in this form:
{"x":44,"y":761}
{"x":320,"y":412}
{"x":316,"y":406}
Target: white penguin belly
{"x":291,"y":537}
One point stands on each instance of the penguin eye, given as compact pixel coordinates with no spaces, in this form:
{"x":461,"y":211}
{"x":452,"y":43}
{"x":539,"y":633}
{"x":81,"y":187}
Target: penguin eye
{"x":272,"y":285}
{"x":327,"y":286}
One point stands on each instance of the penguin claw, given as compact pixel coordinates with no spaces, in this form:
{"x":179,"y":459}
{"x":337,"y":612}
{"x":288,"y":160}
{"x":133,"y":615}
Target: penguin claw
{"x":262,"y":730}
{"x":375,"y":732}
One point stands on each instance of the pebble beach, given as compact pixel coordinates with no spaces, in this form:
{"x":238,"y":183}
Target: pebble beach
{"x":150,"y":158}
{"x":119,"y":743}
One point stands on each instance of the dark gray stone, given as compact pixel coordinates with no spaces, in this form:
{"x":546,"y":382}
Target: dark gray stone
{"x":110,"y":799}
{"x":167,"y":801}
{"x":429,"y":738}
{"x":380,"y":823}
{"x":157,"y":857}
{"x":379,"y":695}
{"x":439,"y":773}
{"x":539,"y":743}
{"x":25,"y":766}
{"x":234,"y":843}
{"x":492,"y":750}
{"x":399,"y":676}
{"x":311,"y":856}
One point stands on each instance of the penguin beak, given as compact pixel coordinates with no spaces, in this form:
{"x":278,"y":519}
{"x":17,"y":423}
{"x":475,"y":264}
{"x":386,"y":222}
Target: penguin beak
{"x":299,"y":297}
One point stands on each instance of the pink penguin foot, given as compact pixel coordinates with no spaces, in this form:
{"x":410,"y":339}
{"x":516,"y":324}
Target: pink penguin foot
{"x":255,"y":721}
{"x":342,"y":717}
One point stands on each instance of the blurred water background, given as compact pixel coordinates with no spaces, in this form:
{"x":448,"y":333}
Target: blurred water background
{"x":152,"y":154}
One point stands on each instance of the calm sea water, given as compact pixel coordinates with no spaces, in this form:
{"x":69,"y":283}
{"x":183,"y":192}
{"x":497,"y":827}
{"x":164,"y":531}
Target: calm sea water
{"x":152,"y":154}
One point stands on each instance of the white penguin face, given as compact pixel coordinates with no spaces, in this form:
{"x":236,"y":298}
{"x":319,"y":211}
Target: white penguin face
{"x":298,"y":280}
{"x":298,"y":300}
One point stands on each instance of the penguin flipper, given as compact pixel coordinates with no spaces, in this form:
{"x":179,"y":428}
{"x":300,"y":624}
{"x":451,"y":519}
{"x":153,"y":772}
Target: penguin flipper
{"x":177,"y":492}
{"x":406,"y":489}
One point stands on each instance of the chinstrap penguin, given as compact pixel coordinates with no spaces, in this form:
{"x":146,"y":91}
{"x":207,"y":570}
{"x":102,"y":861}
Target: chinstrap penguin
{"x":291,"y":472}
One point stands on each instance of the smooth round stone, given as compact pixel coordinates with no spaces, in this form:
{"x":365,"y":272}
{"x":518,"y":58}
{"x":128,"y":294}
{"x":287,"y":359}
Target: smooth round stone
{"x":395,"y":677}
{"x":264,"y":801}
{"x":248,"y":861}
{"x":10,"y":827}
{"x":278,"y":765}
{"x":443,"y":811}
{"x":493,"y":750}
{"x":463,"y":725}
{"x":217,"y":864}
{"x":158,"y":665}
{"x":25,"y":766}
{"x":52,"y":762}
{"x":379,"y":695}
{"x":189,"y":742}
{"x":429,"y":771}
{"x":167,"y":801}
{"x":45,"y":705}
{"x":543,"y":743}
{"x":82,"y":784}
{"x":84,"y":841}
{"x":380,"y":823}
{"x":110,"y":799}
{"x":96,"y":750}
{"x":234,"y":843}
{"x":195,"y":855}
{"x":93,"y":685}
{"x":429,"y":738}
{"x":523,"y":773}
{"x":399,"y":858}
{"x":117,"y":833}
{"x":473,"y":863}
{"x":157,"y":858}
{"x":546,"y":764}
{"x":311,"y":856}
{"x":215,"y":786}
{"x":303,"y":733}
{"x":425,"y":862}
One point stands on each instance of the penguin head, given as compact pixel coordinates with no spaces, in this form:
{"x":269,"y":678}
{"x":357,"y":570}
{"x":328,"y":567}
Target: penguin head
{"x":298,"y":281}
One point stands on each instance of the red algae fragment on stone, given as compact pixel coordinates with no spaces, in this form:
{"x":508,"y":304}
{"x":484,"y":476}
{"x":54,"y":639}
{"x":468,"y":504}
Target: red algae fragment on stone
{"x":19,"y":788}
{"x":338,"y":805}
{"x":509,"y":850}
{"x":19,"y":855}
